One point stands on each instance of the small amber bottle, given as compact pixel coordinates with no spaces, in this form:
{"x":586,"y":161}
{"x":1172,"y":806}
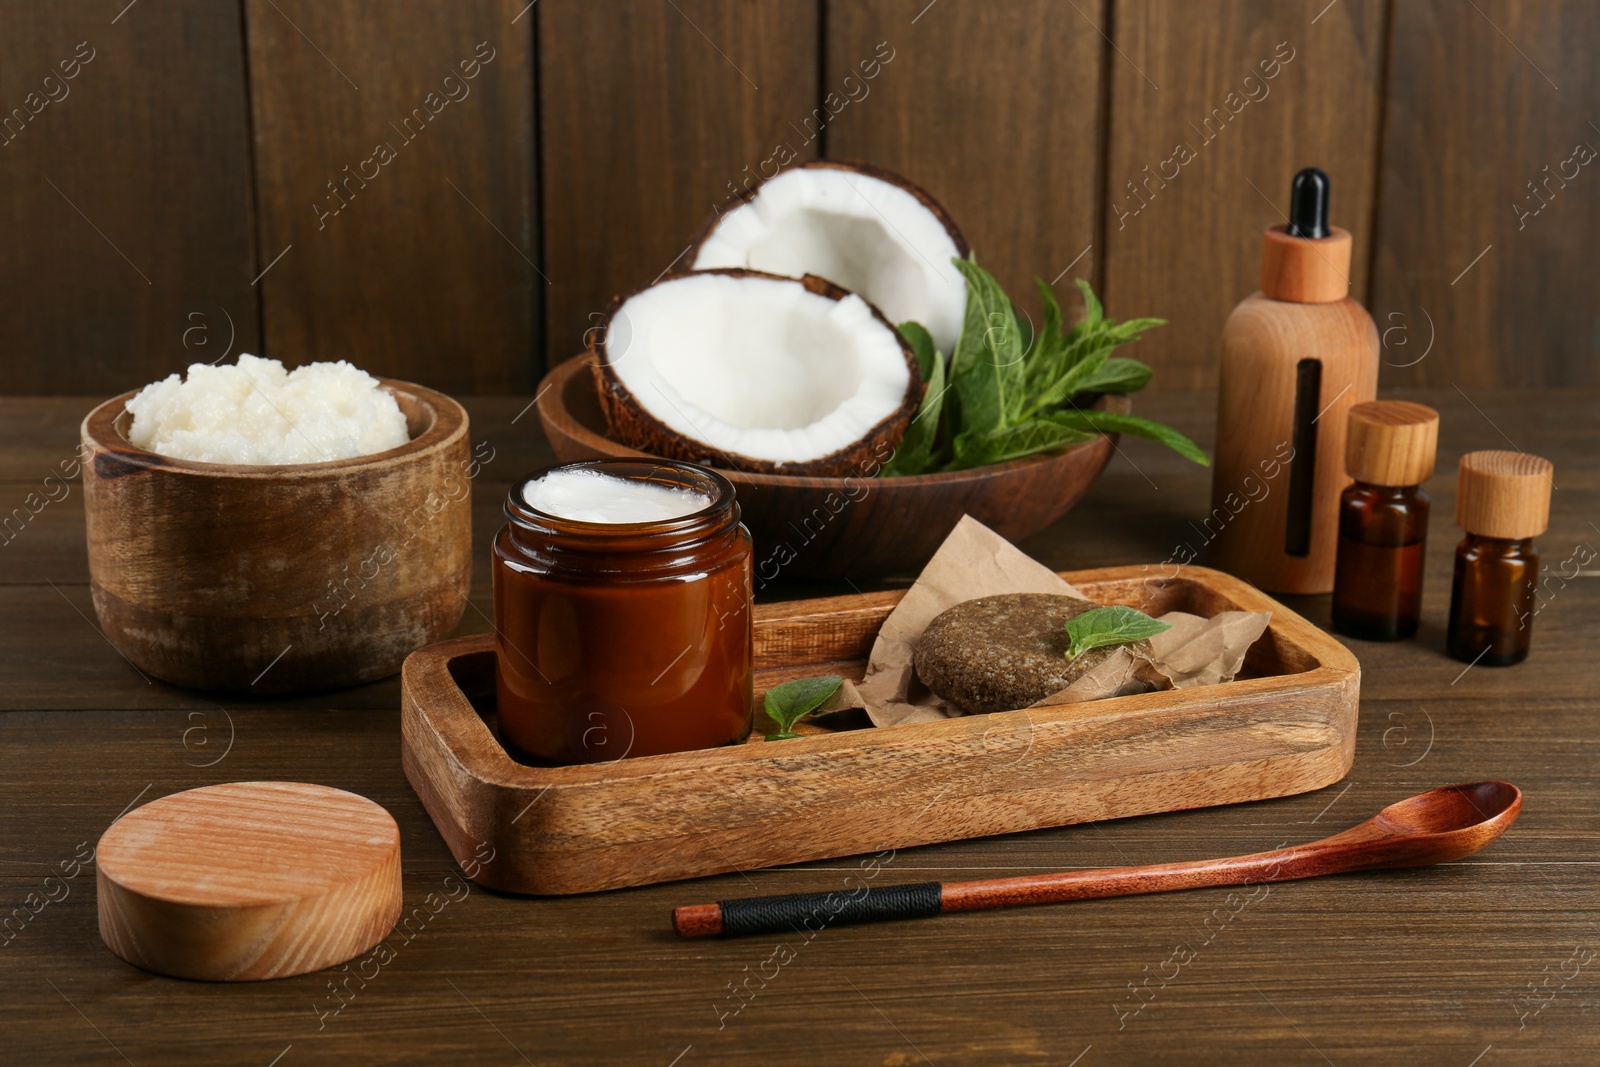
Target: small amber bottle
{"x":1503,"y":503}
{"x":1383,"y":519}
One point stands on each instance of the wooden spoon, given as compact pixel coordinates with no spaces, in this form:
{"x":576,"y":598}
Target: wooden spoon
{"x":1434,"y":827}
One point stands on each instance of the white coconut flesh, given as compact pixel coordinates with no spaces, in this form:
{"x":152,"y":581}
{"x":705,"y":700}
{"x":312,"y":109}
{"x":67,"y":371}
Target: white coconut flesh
{"x":758,"y":367}
{"x":862,"y":233}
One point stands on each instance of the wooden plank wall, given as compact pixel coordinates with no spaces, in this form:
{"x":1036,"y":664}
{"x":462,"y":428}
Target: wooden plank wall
{"x":1211,"y":118}
{"x":1013,"y":157}
{"x":127,"y":242}
{"x":651,"y":113}
{"x":394,"y":163}
{"x":323,"y":180}
{"x":1489,"y":218}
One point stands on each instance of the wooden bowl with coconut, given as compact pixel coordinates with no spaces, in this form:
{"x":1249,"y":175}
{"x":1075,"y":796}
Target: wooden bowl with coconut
{"x":863,"y":383}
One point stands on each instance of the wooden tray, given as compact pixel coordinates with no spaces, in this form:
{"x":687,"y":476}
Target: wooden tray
{"x":1288,"y":725}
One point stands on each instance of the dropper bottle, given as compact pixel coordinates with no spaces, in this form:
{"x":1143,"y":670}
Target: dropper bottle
{"x":1296,"y":357}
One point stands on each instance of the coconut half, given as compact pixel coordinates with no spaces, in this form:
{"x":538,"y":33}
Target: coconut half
{"x":754,"y":372}
{"x":867,"y":229}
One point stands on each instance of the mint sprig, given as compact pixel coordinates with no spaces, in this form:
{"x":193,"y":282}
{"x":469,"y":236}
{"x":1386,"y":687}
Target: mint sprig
{"x":1114,"y":625}
{"x":1008,"y":392}
{"x":790,"y":702}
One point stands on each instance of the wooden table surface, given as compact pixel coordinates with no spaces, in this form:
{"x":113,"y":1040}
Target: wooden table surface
{"x":1491,"y":961}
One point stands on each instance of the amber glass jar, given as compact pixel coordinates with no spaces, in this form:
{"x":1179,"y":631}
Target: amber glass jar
{"x":1503,"y":503}
{"x":624,"y":639}
{"x":1377,"y":586}
{"x":1383,"y":519}
{"x":1491,"y":600}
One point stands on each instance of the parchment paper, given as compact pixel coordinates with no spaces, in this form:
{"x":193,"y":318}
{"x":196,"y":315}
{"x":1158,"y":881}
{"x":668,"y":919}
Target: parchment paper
{"x":974,"y":561}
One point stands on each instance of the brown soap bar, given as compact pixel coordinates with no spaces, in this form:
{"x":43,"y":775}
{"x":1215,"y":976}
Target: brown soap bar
{"x":999,"y":653}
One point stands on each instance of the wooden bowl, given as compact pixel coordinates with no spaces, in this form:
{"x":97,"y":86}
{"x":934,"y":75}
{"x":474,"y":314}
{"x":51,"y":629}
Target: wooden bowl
{"x":866,"y":527}
{"x":279,"y":579}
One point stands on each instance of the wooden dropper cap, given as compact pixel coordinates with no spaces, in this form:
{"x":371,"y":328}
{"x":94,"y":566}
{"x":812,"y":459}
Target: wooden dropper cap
{"x":1503,"y":494}
{"x":1307,"y":261}
{"x":1391,"y":442}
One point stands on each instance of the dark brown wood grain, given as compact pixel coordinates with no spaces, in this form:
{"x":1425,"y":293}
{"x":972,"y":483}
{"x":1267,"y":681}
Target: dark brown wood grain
{"x":1183,"y":238}
{"x":995,"y":109}
{"x":148,"y":205}
{"x":395,"y":162}
{"x":1409,"y":968}
{"x":651,"y":114}
{"x":1489,"y":117}
{"x":127,"y":208}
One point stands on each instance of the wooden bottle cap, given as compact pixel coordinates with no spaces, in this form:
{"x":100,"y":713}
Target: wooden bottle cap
{"x":1503,"y":494}
{"x":248,"y":880}
{"x":1391,"y":442}
{"x":1306,"y":270}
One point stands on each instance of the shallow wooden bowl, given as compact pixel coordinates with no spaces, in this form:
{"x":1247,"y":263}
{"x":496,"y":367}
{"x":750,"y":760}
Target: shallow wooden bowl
{"x":280,"y":579}
{"x":858,"y":526}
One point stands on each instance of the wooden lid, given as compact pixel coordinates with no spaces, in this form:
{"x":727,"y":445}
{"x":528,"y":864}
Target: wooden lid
{"x":1306,"y":270}
{"x":248,"y":880}
{"x":1504,"y":494}
{"x":1391,"y":442}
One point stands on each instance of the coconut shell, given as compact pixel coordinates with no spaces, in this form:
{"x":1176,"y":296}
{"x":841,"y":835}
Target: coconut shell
{"x":922,"y":196}
{"x":630,"y":423}
{"x":1000,"y":653}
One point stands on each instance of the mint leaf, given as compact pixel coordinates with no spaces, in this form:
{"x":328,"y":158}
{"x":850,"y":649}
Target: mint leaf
{"x":914,"y":454}
{"x":1051,"y":340}
{"x":1013,"y":442}
{"x":1115,"y":625}
{"x":1117,"y":375}
{"x":1111,"y":422}
{"x":1091,"y":304}
{"x":950,"y":423}
{"x":1024,"y":329}
{"x":922,"y":346}
{"x":790,"y":702}
{"x":986,"y":368}
{"x":1082,"y":360}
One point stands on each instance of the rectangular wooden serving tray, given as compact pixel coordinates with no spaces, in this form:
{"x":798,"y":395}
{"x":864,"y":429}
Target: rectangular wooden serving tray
{"x":1287,"y":725}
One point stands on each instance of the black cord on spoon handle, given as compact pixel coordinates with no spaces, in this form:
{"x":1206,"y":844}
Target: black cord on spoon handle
{"x":808,"y":911}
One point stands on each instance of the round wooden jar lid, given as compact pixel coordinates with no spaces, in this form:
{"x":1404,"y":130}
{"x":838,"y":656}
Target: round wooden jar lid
{"x":1391,"y":442}
{"x":1503,"y":494}
{"x":248,"y":880}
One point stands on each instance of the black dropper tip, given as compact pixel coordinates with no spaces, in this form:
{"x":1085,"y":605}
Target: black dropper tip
{"x":1308,"y":204}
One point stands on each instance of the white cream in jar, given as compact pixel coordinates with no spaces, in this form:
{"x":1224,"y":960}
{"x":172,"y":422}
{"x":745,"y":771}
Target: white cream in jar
{"x":580,"y":495}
